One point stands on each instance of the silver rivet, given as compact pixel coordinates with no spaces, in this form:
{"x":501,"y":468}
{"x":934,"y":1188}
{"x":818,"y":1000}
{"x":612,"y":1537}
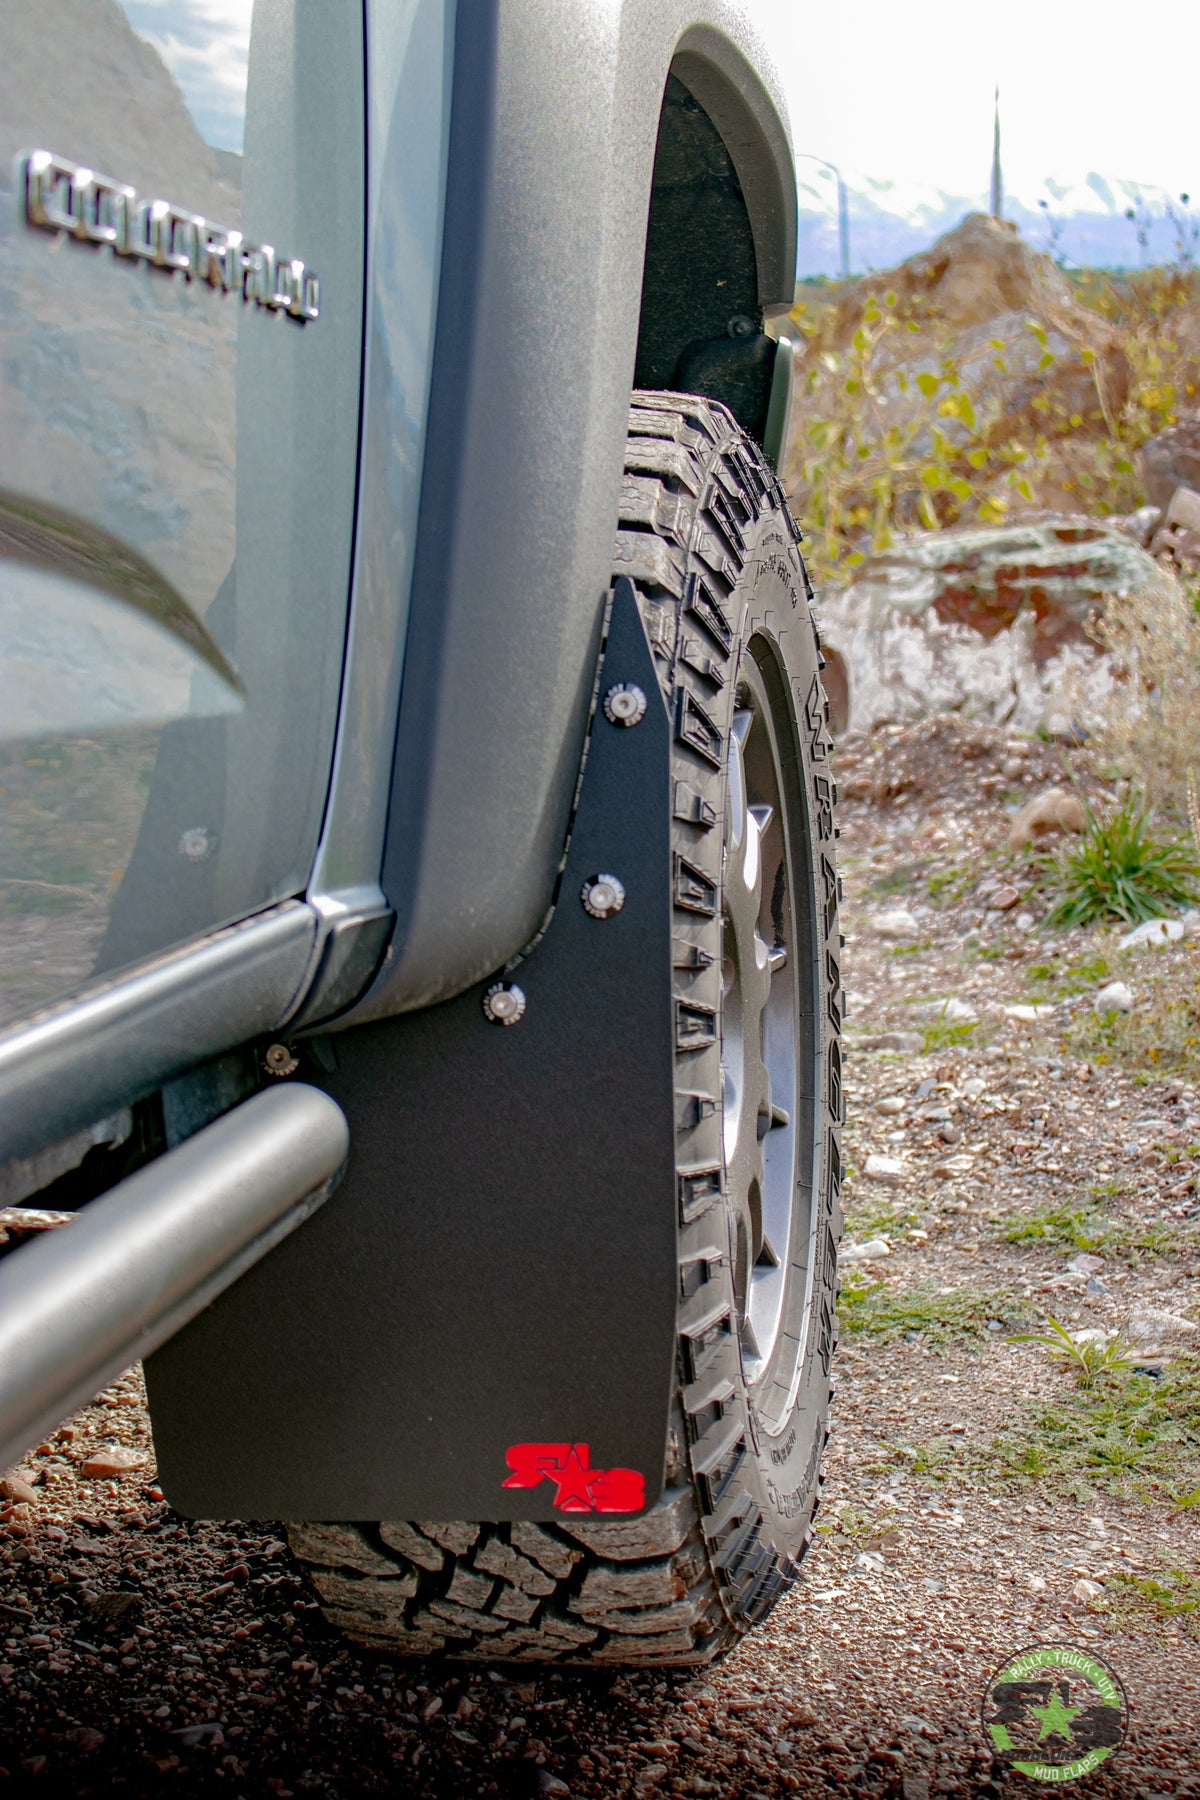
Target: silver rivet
{"x":625,"y":704}
{"x":504,"y":1003}
{"x":602,"y":896}
{"x":280,"y":1060}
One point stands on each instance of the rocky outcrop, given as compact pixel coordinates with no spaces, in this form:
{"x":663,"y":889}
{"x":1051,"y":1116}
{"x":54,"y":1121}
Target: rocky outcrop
{"x":989,"y":622}
{"x":1023,"y":351}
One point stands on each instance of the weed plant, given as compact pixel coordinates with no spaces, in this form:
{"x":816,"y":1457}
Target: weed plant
{"x":922,"y":1313}
{"x":1133,"y":1435}
{"x":1160,"y":1037}
{"x":1172,"y":1596}
{"x":1082,"y":1224}
{"x":1120,"y":870}
{"x":1087,"y":1361}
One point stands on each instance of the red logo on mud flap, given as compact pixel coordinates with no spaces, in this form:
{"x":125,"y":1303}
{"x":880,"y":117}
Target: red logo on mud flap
{"x":580,"y":1488}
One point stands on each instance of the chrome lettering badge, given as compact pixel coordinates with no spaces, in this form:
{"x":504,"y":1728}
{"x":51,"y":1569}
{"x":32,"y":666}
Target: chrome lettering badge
{"x":64,"y":196}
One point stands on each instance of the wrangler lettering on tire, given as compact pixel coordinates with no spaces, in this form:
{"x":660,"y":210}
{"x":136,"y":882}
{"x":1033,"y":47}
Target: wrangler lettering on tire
{"x":706,"y":538}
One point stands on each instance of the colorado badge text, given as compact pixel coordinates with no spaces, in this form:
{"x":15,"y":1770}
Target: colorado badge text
{"x":64,"y":196}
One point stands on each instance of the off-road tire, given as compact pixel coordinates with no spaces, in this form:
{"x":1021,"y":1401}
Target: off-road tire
{"x":706,"y":537}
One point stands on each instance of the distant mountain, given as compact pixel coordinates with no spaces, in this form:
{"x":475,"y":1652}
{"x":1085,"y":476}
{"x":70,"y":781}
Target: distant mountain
{"x":1082,"y":223}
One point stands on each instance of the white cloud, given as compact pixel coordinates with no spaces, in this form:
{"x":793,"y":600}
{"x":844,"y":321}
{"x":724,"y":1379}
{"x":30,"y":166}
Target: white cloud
{"x":206,"y":45}
{"x":905,"y":92}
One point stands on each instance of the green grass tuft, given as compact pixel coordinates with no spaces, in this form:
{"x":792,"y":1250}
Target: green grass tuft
{"x":878,"y":1310}
{"x":1119,"y":870}
{"x":1128,"y":1434}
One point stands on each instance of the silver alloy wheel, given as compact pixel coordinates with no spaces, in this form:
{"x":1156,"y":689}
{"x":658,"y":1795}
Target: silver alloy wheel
{"x":760,"y":1023}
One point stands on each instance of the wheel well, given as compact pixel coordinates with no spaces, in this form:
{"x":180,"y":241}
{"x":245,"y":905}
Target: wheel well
{"x":701,"y":324}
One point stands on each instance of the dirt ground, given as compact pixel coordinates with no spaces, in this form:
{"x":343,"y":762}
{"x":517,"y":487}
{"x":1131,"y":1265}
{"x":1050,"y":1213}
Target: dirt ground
{"x":982,"y":1494}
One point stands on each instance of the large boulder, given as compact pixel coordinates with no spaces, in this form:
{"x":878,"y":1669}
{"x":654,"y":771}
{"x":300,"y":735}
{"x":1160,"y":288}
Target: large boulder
{"x":987,"y":621}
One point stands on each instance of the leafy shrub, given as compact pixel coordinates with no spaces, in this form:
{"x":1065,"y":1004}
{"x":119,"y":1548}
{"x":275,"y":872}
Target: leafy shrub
{"x":883,"y":448}
{"x":1120,"y":870}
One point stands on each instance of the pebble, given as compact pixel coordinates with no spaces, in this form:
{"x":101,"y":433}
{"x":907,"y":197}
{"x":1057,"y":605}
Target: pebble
{"x":1085,"y":1264}
{"x":1152,"y":931}
{"x":1028,"y":1015}
{"x":1114,"y":997}
{"x":898,"y":923}
{"x":12,"y":1487}
{"x":874,"y":1247}
{"x":112,"y":1460}
{"x":1004,"y":899}
{"x":890,"y":1104}
{"x":889,"y":1171}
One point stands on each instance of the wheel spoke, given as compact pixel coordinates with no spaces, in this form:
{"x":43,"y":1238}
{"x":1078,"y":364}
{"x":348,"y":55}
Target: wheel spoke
{"x":768,"y":1256}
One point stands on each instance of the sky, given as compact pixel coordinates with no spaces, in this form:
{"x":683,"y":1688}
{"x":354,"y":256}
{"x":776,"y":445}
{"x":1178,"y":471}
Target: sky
{"x":905,"y":90}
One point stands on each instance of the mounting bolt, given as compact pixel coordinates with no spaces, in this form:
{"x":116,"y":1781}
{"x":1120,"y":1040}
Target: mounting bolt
{"x":504,"y":1003}
{"x":602,"y":896}
{"x":625,"y":704}
{"x":280,"y":1060}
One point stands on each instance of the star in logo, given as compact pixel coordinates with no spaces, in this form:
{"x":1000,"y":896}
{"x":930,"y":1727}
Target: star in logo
{"x":1055,"y":1717}
{"x":578,"y":1487}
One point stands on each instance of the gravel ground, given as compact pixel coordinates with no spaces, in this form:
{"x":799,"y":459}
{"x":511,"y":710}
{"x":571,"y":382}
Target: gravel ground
{"x":978,"y":1498}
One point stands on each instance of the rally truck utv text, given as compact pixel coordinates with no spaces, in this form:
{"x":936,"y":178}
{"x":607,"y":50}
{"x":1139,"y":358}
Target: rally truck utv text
{"x":418,"y":913}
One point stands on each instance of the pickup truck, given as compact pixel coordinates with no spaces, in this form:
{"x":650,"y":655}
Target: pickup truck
{"x":419,"y":959}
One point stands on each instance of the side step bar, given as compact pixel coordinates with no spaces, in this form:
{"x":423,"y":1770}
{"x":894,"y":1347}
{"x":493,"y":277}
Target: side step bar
{"x":80,"y":1304}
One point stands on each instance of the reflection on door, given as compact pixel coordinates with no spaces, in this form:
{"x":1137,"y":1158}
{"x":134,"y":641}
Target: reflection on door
{"x":176,"y":481}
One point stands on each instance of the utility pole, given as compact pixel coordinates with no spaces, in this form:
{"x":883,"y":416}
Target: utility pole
{"x":843,"y":209}
{"x":997,"y":184}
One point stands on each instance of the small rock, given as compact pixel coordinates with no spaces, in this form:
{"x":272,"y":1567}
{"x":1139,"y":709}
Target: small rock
{"x":1114,"y":997}
{"x":1046,"y":815}
{"x":1152,"y":931}
{"x":112,"y":1460}
{"x":889,"y":1171}
{"x":802,"y":1718}
{"x":898,"y":923}
{"x":1086,"y":1591}
{"x":1025,"y":921}
{"x":1085,"y":1264}
{"x":84,"y":1738}
{"x":12,"y":1487}
{"x":1028,"y":1015}
{"x":546,"y":1783}
{"x":875,"y":1247}
{"x":1036,"y":1584}
{"x":891,"y":1104}
{"x":1004,"y":899}
{"x":1152,"y":1328}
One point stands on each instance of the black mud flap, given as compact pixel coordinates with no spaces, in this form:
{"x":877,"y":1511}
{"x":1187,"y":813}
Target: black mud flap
{"x":495,"y":1282}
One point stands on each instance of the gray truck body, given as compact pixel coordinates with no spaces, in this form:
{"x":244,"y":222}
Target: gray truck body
{"x":304,"y":571}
